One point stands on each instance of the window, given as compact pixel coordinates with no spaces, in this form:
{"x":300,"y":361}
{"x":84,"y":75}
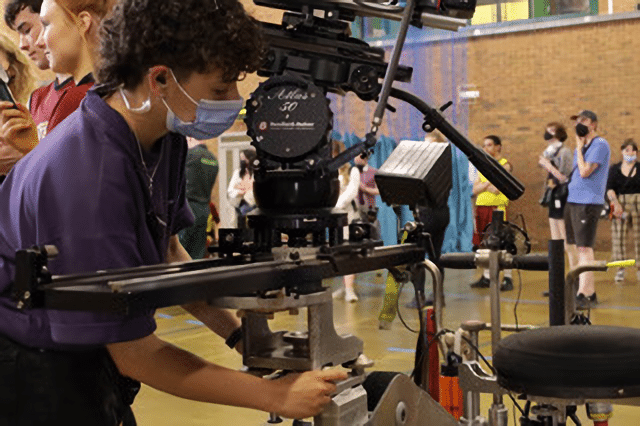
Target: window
{"x":488,"y":12}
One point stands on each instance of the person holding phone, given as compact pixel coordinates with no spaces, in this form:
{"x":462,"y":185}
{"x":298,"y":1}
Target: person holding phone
{"x":69,"y":39}
{"x":23,"y":17}
{"x":17,"y":87}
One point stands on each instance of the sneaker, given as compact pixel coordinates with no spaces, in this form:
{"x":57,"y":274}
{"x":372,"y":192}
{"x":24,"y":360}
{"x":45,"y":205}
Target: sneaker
{"x":507,"y":284}
{"x":619,"y":276}
{"x":584,"y":302}
{"x":481,"y":283}
{"x":338,"y":294}
{"x":350,"y":296}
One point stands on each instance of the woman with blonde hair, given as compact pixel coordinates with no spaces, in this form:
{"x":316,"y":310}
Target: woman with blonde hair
{"x":70,"y":39}
{"x":21,"y":78}
{"x":21,"y":83}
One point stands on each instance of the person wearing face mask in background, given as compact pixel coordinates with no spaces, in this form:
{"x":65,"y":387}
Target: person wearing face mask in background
{"x":586,"y":197}
{"x":556,"y":161}
{"x":108,"y":189}
{"x":69,"y":39}
{"x":21,"y":82}
{"x":623,"y":192}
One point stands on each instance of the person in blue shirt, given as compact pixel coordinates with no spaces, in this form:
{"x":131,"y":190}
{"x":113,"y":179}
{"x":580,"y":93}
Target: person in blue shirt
{"x":108,"y":190}
{"x":586,"y":198}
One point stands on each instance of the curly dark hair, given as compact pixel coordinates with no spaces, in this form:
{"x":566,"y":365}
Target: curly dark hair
{"x":185,"y":35}
{"x":14,"y":7}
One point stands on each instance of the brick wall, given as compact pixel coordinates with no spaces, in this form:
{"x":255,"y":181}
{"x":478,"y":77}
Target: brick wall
{"x":531,"y":78}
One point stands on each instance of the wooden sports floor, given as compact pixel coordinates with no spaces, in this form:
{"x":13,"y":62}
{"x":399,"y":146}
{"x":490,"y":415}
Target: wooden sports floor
{"x":391,"y":350}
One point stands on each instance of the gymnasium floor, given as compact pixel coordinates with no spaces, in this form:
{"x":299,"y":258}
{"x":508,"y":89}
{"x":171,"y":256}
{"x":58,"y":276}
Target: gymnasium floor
{"x":391,"y":350}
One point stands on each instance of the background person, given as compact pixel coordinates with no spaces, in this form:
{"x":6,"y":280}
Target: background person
{"x":349,"y":177}
{"x":366,"y":200}
{"x":586,"y":197}
{"x":240,"y":189}
{"x":70,"y":39}
{"x":23,"y":16}
{"x":202,"y":170}
{"x":623,"y":192}
{"x":557,"y":161}
{"x":488,"y":199}
{"x":21,"y":82}
{"x":108,"y":189}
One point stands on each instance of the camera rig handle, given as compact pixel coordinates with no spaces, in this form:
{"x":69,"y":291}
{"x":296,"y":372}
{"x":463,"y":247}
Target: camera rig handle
{"x":487,"y":165}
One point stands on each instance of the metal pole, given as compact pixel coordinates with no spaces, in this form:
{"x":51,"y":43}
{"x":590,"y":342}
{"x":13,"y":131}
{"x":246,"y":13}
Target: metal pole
{"x":556,"y":283}
{"x":494,"y":290}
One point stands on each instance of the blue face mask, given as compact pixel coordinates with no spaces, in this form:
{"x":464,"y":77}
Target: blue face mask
{"x":212,"y":117}
{"x":629,"y":158}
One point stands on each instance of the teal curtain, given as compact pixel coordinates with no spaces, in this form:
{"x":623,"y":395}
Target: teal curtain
{"x":439,"y":71}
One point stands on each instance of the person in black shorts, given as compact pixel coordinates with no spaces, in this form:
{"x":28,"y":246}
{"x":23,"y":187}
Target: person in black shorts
{"x":586,"y":196}
{"x":556,"y":160}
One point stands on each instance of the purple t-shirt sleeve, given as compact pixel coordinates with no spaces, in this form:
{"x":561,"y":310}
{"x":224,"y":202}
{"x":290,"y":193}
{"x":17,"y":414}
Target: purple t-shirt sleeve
{"x":92,"y":233}
{"x":85,"y":191}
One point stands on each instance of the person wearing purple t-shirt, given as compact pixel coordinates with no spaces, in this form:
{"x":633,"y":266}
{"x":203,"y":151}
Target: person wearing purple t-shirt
{"x":108,"y":189}
{"x":586,"y":197}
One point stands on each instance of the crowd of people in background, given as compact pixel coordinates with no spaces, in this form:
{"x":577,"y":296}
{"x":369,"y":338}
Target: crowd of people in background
{"x":579,"y":184}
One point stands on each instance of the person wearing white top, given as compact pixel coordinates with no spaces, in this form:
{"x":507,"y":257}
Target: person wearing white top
{"x":349,"y":186}
{"x":240,"y":189}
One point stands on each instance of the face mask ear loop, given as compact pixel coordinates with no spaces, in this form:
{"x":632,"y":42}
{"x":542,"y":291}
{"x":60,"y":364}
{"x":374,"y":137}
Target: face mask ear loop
{"x":182,"y":88}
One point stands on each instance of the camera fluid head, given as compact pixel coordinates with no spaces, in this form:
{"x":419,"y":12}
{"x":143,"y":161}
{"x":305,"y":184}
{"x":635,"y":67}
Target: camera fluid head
{"x":310,"y":54}
{"x":288,"y":117}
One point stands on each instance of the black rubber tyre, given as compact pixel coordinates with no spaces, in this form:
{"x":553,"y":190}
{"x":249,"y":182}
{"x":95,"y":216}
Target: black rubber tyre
{"x":571,"y":362}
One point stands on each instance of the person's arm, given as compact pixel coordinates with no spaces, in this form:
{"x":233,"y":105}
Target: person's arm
{"x":549,"y":167}
{"x":491,"y":187}
{"x":566,"y":163}
{"x":220,"y":321}
{"x":370,"y":191}
{"x":170,"y":369}
{"x":584,"y":168}
{"x":479,"y":186}
{"x":613,"y":199}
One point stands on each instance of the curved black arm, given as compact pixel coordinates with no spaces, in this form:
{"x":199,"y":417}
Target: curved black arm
{"x":487,"y":165}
